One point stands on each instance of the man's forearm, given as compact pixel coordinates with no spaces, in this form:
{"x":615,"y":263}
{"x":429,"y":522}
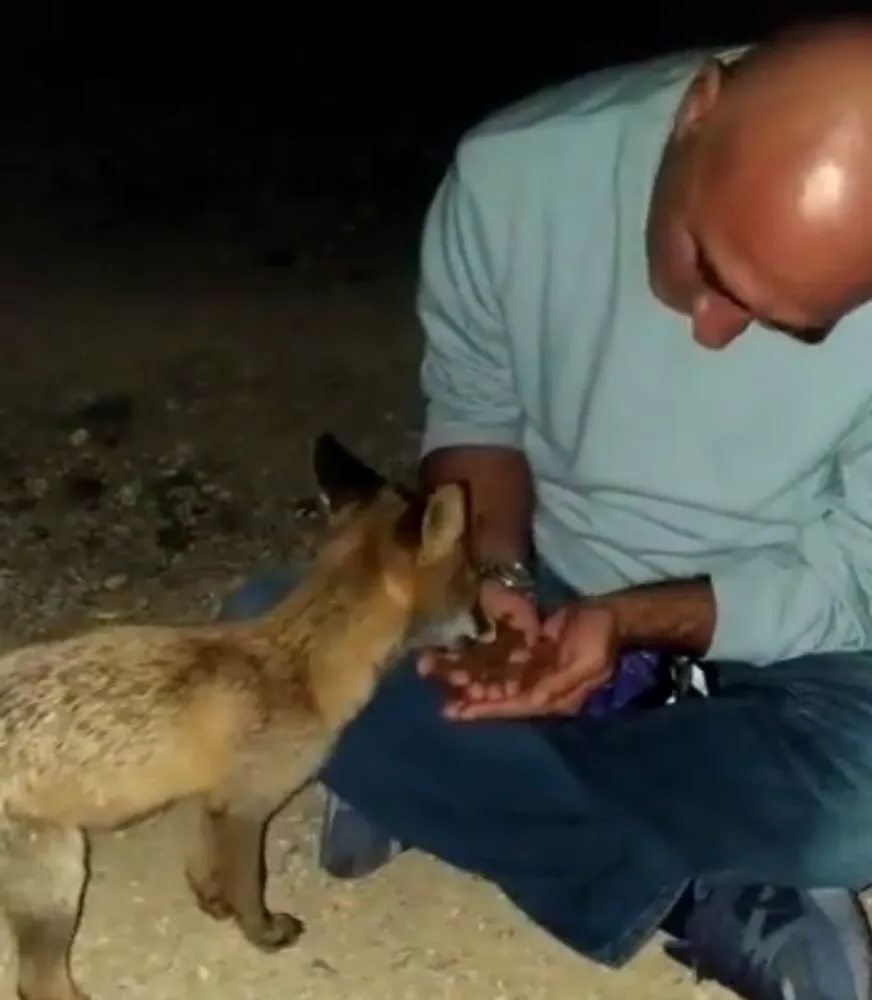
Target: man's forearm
{"x":678,"y":615}
{"x":500,"y":493}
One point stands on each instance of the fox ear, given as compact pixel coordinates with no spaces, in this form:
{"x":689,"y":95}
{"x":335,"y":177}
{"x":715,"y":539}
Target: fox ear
{"x":434,"y":525}
{"x":342,"y":478}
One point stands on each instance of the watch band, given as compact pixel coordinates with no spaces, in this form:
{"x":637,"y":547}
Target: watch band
{"x":515,"y":575}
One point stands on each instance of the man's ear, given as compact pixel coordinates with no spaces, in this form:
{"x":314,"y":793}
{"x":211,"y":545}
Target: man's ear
{"x":699,"y":99}
{"x":434,"y":525}
{"x":342,"y":478}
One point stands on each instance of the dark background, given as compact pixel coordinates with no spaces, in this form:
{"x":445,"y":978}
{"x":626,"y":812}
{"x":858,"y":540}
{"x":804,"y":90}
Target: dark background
{"x":209,"y":222}
{"x":159,"y":111}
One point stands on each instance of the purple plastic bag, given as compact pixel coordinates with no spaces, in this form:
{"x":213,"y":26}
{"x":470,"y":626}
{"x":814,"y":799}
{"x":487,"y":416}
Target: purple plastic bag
{"x":637,"y":673}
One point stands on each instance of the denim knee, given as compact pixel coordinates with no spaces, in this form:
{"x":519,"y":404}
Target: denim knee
{"x":259,"y":593}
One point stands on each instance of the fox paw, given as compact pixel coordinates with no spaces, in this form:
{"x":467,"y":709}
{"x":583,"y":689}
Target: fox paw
{"x":278,"y":931}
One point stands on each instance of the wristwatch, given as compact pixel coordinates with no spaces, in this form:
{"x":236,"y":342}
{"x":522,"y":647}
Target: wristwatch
{"x":515,"y":575}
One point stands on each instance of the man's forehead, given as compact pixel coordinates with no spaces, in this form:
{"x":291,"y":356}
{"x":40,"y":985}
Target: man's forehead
{"x":793,"y":275}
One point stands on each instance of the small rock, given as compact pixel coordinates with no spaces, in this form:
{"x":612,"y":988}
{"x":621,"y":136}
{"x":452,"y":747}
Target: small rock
{"x":80,"y":437}
{"x":129,"y":494}
{"x":36,"y":487}
{"x":319,"y":965}
{"x":105,"y":418}
{"x":115,"y":582}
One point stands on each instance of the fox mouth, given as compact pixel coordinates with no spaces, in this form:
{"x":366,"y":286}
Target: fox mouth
{"x":485,"y":626}
{"x":484,"y":631}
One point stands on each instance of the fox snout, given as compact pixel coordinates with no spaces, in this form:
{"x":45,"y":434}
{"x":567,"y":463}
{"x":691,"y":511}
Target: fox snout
{"x":471,"y":625}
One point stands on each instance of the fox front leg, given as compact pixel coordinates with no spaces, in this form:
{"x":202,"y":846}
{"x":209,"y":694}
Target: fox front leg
{"x":228,"y":875}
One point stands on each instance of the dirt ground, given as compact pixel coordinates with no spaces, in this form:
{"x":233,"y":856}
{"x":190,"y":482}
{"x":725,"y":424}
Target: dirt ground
{"x":159,"y":385}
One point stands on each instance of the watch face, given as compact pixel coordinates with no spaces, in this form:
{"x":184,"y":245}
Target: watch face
{"x":513,"y":576}
{"x":516,"y":578}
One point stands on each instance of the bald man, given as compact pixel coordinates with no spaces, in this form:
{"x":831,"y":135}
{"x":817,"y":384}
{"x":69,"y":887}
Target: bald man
{"x":645,"y":298}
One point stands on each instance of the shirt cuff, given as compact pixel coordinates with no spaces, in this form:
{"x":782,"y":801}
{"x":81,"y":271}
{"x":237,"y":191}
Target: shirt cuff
{"x":456,"y":434}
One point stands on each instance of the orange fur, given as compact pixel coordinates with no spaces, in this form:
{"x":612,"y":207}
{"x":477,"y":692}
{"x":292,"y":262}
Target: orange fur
{"x":103,"y":728}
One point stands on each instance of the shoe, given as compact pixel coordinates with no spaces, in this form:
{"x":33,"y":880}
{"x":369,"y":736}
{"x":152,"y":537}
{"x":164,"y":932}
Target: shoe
{"x":779,"y":944}
{"x":351,"y":847}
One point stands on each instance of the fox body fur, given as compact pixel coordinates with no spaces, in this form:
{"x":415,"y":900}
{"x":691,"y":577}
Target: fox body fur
{"x":101,"y":729}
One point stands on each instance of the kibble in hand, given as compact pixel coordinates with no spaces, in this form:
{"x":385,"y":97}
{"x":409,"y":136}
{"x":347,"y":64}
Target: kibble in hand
{"x":491,"y":663}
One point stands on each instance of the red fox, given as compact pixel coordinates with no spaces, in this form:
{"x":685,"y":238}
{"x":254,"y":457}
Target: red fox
{"x":103,"y":728}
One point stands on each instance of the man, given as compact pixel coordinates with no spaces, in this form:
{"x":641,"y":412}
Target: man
{"x":587,"y":261}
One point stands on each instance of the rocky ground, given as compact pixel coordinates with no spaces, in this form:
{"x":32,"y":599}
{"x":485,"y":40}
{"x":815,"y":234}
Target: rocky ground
{"x":172,"y":337}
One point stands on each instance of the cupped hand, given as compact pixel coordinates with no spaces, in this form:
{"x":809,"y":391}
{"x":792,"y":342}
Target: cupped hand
{"x":500,"y":604}
{"x":586,"y":645}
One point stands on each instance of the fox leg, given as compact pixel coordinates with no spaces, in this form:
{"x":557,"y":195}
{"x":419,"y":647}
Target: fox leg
{"x":43,"y":873}
{"x":227,"y":874}
{"x":203,"y":873}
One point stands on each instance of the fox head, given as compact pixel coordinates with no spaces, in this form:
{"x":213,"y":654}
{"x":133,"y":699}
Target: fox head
{"x":418,"y":545}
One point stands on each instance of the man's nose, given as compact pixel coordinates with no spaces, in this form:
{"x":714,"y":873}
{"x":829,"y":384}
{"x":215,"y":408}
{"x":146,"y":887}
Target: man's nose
{"x":716,"y":321}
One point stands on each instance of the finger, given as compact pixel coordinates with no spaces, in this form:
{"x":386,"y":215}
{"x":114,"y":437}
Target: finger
{"x":513,"y":708}
{"x":516,"y":706}
{"x":475,"y":691}
{"x":426,"y":662}
{"x":571,"y":701}
{"x":521,"y":654}
{"x":511,"y":688}
{"x":457,"y":677}
{"x":499,"y":690}
{"x":567,"y":704}
{"x":530,"y":629}
{"x":563,"y":684}
{"x":478,"y":691}
{"x":432,"y":660}
{"x":554,"y":626}
{"x":553,"y":687}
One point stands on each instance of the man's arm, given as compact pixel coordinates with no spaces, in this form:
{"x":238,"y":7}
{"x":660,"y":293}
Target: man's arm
{"x":780,"y":601}
{"x":473,"y":418}
{"x":500,"y":496}
{"x":679,"y":616}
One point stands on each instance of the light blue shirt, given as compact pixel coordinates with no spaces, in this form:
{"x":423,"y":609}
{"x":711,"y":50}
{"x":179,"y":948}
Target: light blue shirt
{"x":652,"y":458}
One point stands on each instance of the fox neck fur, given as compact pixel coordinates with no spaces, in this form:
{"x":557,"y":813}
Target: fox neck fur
{"x":338,"y":630}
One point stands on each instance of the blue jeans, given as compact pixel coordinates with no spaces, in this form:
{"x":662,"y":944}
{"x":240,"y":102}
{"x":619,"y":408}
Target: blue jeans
{"x":595,"y":826}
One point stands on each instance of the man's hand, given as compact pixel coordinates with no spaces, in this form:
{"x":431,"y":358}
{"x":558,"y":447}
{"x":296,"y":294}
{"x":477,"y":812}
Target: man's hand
{"x":499,"y":604}
{"x":587,"y":642}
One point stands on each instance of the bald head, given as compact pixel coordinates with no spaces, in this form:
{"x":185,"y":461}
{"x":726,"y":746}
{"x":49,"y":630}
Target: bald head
{"x":796,"y":113}
{"x":775,"y":157}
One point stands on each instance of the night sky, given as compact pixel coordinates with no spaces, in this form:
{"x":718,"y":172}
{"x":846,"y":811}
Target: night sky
{"x":153,"y":90}
{"x":292,"y":58}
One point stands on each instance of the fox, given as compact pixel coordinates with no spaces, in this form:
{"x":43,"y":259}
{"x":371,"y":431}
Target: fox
{"x":106,"y":727}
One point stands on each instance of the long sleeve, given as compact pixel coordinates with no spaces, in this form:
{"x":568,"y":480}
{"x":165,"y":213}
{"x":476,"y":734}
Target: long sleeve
{"x":816,"y":595}
{"x":466,"y":373}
